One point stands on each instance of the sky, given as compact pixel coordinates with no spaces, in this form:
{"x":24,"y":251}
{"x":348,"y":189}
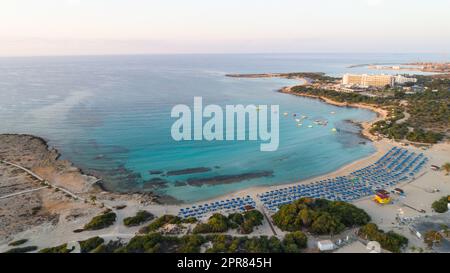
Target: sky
{"x":83,"y":27}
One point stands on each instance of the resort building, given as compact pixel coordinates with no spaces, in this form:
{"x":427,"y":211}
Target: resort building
{"x":366,"y":80}
{"x":399,"y":79}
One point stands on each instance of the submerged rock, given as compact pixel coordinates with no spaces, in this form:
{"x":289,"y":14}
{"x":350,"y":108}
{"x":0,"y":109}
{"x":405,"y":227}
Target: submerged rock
{"x":189,"y":171}
{"x":227,"y":179}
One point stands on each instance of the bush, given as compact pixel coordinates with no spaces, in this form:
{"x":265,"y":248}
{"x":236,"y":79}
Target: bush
{"x":325,"y":223}
{"x":441,"y":205}
{"x":293,"y":242}
{"x":390,"y":241}
{"x":90,"y":244}
{"x":101,"y":221}
{"x":110,"y":247}
{"x":143,"y":244}
{"x":155,"y":242}
{"x":140,"y":217}
{"x":190,"y":220}
{"x":236,"y":218}
{"x":254,"y":216}
{"x":419,"y":135}
{"x":216,"y":223}
{"x":190,"y":244}
{"x":57,"y":249}
{"x":18,"y":242}
{"x":252,"y":219}
{"x":160,"y":222}
{"x":24,"y":249}
{"x":320,"y":216}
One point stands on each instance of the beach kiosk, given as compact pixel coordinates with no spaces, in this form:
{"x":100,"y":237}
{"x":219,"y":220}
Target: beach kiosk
{"x":382,"y":197}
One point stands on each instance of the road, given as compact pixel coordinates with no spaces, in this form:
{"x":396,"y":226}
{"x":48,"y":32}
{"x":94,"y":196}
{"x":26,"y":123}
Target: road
{"x":40,"y":179}
{"x":21,"y":192}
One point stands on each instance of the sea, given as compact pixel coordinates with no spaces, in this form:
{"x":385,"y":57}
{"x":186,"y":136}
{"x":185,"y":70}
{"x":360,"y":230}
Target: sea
{"x":111,"y":116}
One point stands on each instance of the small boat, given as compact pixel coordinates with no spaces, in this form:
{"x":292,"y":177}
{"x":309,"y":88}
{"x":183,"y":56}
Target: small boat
{"x":310,"y":126}
{"x":297,"y":120}
{"x":285,"y":113}
{"x":321,"y":122}
{"x":333,"y":130}
{"x":332,"y":112}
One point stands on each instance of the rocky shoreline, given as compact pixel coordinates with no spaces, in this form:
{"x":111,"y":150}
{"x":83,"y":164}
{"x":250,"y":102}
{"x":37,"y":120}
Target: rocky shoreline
{"x":26,"y":202}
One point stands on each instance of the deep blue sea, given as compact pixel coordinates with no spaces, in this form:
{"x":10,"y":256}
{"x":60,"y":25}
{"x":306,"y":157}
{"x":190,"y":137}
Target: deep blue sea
{"x":110,"y":115}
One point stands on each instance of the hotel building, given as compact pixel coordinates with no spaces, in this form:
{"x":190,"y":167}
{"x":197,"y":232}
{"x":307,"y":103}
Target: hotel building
{"x":368,"y":80}
{"x":399,"y":79}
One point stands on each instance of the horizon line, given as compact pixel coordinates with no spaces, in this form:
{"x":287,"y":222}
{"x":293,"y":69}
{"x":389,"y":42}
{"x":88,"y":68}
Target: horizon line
{"x":219,"y":53}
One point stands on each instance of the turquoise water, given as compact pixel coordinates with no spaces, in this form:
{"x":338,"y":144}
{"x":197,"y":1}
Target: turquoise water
{"x":111,"y":116}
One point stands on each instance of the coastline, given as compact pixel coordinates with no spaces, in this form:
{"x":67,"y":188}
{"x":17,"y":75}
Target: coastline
{"x":61,"y":215}
{"x":382,"y":145}
{"x":381,"y":113}
{"x":97,"y":187}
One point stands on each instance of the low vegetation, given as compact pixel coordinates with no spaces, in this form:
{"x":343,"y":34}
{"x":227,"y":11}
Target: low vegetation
{"x":24,"y":249}
{"x":160,"y":222}
{"x":157,"y":243}
{"x":390,"y":241}
{"x":140,"y":218}
{"x":216,"y":223}
{"x":294,"y":242}
{"x":110,"y":247}
{"x":101,"y":221}
{"x":57,"y":249}
{"x":18,"y":242}
{"x":319,"y":216}
{"x":252,"y":219}
{"x":244,"y":222}
{"x":441,"y":205}
{"x":90,"y":244}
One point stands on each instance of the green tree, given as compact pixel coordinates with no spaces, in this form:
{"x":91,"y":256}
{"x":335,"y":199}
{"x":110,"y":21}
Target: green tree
{"x":295,"y":241}
{"x":326,"y":224}
{"x":306,"y":217}
{"x":441,"y":205}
